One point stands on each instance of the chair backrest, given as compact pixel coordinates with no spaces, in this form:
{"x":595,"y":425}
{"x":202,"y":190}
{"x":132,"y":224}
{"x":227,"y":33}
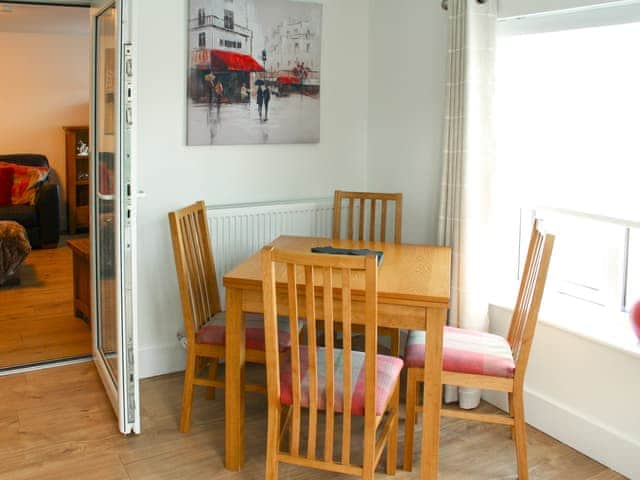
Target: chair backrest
{"x":319,"y":287}
{"x":367,"y":202}
{"x":195,"y":266}
{"x":525,"y":314}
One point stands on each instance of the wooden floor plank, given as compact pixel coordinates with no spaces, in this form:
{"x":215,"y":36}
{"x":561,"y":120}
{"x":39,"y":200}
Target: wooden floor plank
{"x":64,"y":428}
{"x":37,"y":320}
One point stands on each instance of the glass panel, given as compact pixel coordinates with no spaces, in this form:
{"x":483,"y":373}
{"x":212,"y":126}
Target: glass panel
{"x":587,"y":259}
{"x":105,"y":231}
{"x":633,"y":272}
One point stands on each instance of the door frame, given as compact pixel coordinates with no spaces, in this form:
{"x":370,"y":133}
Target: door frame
{"x":123,"y":387}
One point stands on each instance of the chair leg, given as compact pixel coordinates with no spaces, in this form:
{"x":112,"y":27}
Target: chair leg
{"x":520,"y":436}
{"x":395,"y":342}
{"x":273,"y":434}
{"x":411,"y":404}
{"x":513,"y":428}
{"x":213,"y":372}
{"x":392,"y":442}
{"x":187,"y":392}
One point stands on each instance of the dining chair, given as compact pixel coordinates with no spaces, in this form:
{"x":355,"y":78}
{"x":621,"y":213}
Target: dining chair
{"x":486,"y":361}
{"x":204,"y":321}
{"x":342,"y":383}
{"x":363,"y":207}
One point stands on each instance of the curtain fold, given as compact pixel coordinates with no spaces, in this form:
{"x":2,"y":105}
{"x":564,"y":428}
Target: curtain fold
{"x":468,"y":164}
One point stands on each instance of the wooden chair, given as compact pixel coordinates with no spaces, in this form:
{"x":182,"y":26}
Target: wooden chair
{"x":367,"y":203}
{"x":341,"y":382}
{"x":204,"y":322}
{"x":486,"y":361}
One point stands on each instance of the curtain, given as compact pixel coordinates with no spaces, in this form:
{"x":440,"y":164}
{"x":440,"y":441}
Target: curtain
{"x":468,"y":163}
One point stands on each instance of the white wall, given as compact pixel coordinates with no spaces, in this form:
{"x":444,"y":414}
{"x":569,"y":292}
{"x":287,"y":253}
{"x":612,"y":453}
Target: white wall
{"x":174,"y":175}
{"x":581,"y":392}
{"x":407,"y":73}
{"x":44,"y":86}
{"x":514,"y":8}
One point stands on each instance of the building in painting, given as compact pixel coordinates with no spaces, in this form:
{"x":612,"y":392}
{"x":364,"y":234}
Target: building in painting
{"x":222,"y":49}
{"x":293,"y":52}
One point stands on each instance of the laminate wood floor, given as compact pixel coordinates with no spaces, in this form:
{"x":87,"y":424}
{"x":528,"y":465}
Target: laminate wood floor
{"x":58,"y":424}
{"x":37,"y":321}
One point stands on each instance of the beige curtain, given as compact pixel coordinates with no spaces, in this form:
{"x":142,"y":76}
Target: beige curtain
{"x":468,"y":160}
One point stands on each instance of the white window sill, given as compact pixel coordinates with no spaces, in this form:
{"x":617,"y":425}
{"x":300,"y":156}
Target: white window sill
{"x":587,"y":320}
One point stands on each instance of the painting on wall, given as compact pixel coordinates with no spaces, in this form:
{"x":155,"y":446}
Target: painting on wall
{"x":254,"y":72}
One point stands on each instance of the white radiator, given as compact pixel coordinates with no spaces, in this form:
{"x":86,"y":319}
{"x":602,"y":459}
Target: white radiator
{"x":238,"y":231}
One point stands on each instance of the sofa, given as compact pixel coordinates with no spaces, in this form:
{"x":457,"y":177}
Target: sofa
{"x":42,"y":220}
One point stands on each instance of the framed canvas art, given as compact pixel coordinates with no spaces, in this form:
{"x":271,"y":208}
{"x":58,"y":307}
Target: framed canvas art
{"x":254,"y":72}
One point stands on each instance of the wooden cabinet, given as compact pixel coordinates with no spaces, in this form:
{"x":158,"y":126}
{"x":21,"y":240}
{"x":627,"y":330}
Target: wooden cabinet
{"x":77,"y":159}
{"x":81,"y":277}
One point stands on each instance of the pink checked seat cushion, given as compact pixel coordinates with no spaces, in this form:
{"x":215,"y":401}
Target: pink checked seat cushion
{"x":388,"y":371}
{"x":214,"y":331}
{"x":465,"y":351}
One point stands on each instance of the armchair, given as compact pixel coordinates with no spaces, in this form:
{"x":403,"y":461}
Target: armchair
{"x":42,"y":220}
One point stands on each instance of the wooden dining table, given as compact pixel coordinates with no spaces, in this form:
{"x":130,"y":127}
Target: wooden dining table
{"x":413,"y":294}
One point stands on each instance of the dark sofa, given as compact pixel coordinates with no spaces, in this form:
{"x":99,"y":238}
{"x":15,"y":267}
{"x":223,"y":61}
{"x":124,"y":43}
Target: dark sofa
{"x":42,"y":220}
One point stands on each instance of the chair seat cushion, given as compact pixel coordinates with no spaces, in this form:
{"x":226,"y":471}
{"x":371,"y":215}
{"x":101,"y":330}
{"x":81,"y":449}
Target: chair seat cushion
{"x":214,"y":331}
{"x":388,"y":372}
{"x":465,"y":351}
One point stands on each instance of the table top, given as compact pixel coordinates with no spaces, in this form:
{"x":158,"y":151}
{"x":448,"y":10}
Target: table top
{"x":417,"y":274}
{"x":80,"y":245}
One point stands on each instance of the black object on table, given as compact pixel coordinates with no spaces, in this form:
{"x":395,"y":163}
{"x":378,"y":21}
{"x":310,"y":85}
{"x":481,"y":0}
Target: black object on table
{"x":350,"y":251}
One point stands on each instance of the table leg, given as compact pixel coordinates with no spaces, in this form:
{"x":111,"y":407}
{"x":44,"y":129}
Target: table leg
{"x":234,"y":382}
{"x":432,"y":399}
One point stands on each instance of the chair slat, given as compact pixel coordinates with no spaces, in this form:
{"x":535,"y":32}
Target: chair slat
{"x":295,"y":359}
{"x":347,"y":381}
{"x":383,"y":221}
{"x":363,"y":207}
{"x":372,"y":220}
{"x":194,"y":284}
{"x":313,"y":362}
{"x":350,"y":226}
{"x":371,"y":346}
{"x":329,"y":363}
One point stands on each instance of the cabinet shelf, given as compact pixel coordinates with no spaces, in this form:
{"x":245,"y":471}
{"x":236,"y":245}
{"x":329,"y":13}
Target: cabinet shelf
{"x":77,"y":190}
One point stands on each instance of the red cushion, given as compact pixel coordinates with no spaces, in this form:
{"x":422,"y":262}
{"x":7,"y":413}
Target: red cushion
{"x":388,"y":372}
{"x":6,"y":182}
{"x":26,"y":182}
{"x":214,"y":331}
{"x":466,"y":351}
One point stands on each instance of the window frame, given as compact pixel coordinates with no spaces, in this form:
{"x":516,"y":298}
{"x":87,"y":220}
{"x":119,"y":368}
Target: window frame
{"x":629,"y":247}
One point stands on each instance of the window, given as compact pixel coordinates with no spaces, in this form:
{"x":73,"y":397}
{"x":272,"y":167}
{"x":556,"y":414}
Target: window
{"x":228,"y":19}
{"x":201,"y":17}
{"x":633,"y":272}
{"x":221,"y":42}
{"x":567,"y":106}
{"x":202,"y":40}
{"x":230,"y":44}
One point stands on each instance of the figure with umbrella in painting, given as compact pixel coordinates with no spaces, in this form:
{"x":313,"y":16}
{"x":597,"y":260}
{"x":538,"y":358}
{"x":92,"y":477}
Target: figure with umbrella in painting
{"x":260,"y":97}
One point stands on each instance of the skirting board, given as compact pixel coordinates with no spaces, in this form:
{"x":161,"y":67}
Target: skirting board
{"x":588,"y":436}
{"x":161,"y":359}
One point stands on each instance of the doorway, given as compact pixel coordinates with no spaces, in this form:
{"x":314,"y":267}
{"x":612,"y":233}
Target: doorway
{"x":45,"y":55}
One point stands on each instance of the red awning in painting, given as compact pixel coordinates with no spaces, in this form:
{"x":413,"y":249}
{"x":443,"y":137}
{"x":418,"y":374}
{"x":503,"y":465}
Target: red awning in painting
{"x":288,"y":80}
{"x":222,"y":61}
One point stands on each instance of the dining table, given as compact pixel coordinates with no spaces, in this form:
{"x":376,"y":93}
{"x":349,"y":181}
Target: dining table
{"x":413,"y":294}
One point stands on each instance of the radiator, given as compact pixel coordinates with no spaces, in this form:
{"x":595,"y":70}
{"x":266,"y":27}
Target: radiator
{"x":239,"y":231}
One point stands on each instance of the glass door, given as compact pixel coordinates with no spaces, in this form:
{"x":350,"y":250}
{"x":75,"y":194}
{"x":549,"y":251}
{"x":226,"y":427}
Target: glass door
{"x":113,"y":212}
